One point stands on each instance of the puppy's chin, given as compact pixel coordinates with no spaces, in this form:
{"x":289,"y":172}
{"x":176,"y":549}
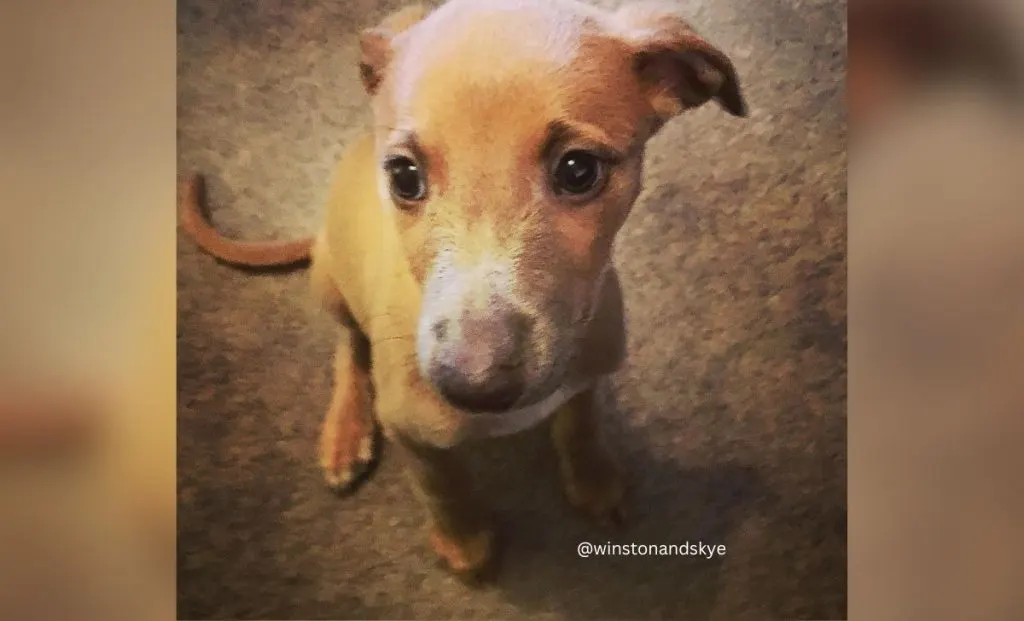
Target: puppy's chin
{"x":534,"y":396}
{"x":539,"y":391}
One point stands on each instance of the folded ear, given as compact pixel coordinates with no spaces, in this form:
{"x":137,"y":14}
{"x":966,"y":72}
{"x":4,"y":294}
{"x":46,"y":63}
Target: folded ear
{"x":376,"y":45}
{"x":676,"y":67}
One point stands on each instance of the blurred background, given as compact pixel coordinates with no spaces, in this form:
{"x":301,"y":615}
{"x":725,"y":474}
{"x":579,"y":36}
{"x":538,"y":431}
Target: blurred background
{"x":935,"y":320}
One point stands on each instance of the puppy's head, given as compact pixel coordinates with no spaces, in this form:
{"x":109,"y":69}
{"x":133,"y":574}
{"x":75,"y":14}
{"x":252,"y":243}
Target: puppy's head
{"x":510,"y":137}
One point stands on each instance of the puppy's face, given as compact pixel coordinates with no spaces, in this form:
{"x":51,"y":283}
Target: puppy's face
{"x":510,"y":137}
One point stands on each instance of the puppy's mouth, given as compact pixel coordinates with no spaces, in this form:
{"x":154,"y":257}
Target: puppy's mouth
{"x":547,"y":387}
{"x":506,"y":399}
{"x":496,"y":404}
{"x":490,"y":364}
{"x":558,"y":373}
{"x":536,"y":396}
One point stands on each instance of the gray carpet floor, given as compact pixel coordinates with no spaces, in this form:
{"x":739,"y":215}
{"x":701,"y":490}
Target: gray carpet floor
{"x":730,"y":413}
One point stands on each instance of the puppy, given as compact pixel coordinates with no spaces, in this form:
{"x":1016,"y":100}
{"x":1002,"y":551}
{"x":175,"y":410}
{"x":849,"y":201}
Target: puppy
{"x":466,"y":250}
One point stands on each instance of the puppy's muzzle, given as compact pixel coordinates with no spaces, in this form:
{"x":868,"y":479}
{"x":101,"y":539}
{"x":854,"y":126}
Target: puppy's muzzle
{"x":479,"y":361}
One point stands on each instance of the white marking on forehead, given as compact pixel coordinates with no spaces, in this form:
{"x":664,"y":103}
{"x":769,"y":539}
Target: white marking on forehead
{"x":483,"y":44}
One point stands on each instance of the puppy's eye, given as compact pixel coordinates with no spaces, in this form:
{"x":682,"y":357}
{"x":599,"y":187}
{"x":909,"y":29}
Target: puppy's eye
{"x":406,"y":179}
{"x":578,"y":173}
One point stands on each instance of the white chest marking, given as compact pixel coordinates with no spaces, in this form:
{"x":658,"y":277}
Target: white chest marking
{"x":514,"y":421}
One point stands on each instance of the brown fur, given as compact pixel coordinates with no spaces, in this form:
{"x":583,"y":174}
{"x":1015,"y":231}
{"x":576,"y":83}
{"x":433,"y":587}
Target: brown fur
{"x":486,"y":97}
{"x":897,"y":48}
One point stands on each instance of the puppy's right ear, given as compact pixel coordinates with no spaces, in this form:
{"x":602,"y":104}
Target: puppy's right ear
{"x":376,"y":44}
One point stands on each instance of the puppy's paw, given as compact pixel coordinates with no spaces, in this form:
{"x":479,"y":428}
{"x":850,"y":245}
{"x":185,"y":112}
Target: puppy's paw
{"x":472,"y":559}
{"x":349,"y":447}
{"x":596,"y":487}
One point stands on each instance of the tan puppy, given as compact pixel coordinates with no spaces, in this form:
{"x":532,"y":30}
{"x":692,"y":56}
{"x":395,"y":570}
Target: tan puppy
{"x":468,"y":236}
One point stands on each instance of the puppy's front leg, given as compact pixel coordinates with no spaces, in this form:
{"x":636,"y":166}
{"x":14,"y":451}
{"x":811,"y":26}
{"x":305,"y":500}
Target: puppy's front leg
{"x":461,"y":531}
{"x":592,"y":480}
{"x":348,"y":437}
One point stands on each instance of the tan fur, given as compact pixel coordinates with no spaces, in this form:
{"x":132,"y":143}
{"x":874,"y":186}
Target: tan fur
{"x":485,"y":96}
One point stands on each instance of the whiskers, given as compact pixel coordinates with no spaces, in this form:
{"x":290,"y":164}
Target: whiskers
{"x":386,"y":331}
{"x":393,"y":338}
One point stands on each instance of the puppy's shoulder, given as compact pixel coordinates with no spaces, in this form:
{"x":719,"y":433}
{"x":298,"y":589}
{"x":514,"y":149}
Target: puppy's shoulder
{"x":354,"y":169}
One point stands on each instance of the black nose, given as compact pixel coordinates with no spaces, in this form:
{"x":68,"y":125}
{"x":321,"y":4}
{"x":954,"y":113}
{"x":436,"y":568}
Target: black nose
{"x":478,"y":364}
{"x":497,"y":392}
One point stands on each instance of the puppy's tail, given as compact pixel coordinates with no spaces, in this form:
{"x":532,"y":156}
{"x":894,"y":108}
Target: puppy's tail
{"x":233,"y":251}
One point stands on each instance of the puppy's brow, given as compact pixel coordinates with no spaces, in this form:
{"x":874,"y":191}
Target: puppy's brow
{"x":406,"y":140}
{"x":402,"y":138}
{"x":585,"y":136}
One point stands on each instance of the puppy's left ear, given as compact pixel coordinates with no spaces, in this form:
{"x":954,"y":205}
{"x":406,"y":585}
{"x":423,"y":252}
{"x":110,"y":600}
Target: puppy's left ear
{"x":376,"y":45}
{"x":677,"y":68}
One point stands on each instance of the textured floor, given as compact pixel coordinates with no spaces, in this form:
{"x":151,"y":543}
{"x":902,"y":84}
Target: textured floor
{"x":730,"y":411}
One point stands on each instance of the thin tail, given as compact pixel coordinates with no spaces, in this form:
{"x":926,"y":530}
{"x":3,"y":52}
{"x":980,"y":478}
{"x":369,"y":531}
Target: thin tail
{"x":233,"y":251}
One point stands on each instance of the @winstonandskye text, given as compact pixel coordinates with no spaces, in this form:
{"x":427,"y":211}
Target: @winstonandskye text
{"x":587,"y":549}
